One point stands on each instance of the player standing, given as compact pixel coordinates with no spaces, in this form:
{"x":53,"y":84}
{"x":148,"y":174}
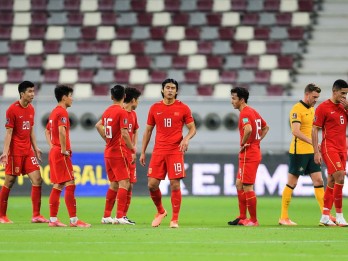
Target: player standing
{"x":61,"y":169}
{"x":169,"y":116}
{"x":20,"y":153}
{"x":252,"y":129}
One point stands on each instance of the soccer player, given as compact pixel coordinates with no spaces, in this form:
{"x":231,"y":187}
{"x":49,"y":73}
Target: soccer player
{"x":20,"y":153}
{"x":331,"y":117}
{"x":252,"y":128}
{"x":301,"y":153}
{"x":61,"y":168}
{"x":169,"y":116}
{"x":113,"y":128}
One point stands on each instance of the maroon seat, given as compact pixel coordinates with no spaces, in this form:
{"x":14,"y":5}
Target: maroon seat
{"x":38,"y":5}
{"x":296,"y":33}
{"x":102,"y":46}
{"x":158,"y":33}
{"x":5,"y":32}
{"x":275,"y":90}
{"x":144,"y":19}
{"x":251,"y":62}
{"x":72,"y":5}
{"x":179,"y":62}
{"x":285,"y":62}
{"x":273,"y":47}
{"x":305,"y":5}
{"x":262,"y":76}
{"x":262,"y":33}
{"x":85,"y":47}
{"x":108,"y":18}
{"x":205,"y":90}
{"x":283,"y":18}
{"x":138,"y":5}
{"x":214,"y":19}
{"x":214,"y":62}
{"x":250,"y":19}
{"x":226,"y":33}
{"x":51,"y":76}
{"x":108,"y":61}
{"x":228,"y":76}
{"x":205,"y":47}
{"x":171,"y":47}
{"x":271,"y":5}
{"x":240,"y":47}
{"x":75,"y":18}
{"x":137,"y":47}
{"x":86,"y":76}
{"x":172,"y":5}
{"x":72,"y":61}
{"x":122,"y":76}
{"x":192,"y":33}
{"x":39,"y":18}
{"x":34,"y":61}
{"x":16,"y":47}
{"x":105,"y":5}
{"x":6,"y":5}
{"x":89,"y":32}
{"x":51,"y":46}
{"x":6,"y":18}
{"x":4,"y":61}
{"x":239,"y":5}
{"x":158,"y":76}
{"x":192,"y":76}
{"x":142,"y":61}
{"x":101,"y":89}
{"x":204,"y":5}
{"x":180,"y":18}
{"x":124,"y":32}
{"x":37,"y":32}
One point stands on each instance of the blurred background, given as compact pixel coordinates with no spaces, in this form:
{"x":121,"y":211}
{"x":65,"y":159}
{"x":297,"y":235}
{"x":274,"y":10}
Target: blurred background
{"x":272,"y":47}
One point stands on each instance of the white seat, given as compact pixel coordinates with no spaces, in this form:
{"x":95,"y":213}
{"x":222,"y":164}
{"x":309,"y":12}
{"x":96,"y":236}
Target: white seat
{"x":268,"y":62}
{"x":10,"y":90}
{"x":20,"y":33}
{"x":22,"y":18}
{"x":152,"y":91}
{"x":209,"y":76}
{"x":197,"y":62}
{"x":187,"y":47}
{"x":54,"y":33}
{"x":68,"y":76}
{"x":54,"y":61}
{"x":244,"y":33}
{"x":256,"y":47}
{"x":221,"y":5}
{"x":83,"y":90}
{"x":91,"y":18}
{"x":154,"y":5}
{"x":280,"y":77}
{"x":125,"y":61}
{"x":175,"y":33}
{"x":88,"y":5}
{"x":300,"y":19}
{"x":161,"y":19}
{"x":33,"y":47}
{"x":21,"y":5}
{"x":139,"y":76}
{"x":3,"y":76}
{"x":105,"y":33}
{"x":230,"y":19}
{"x":119,"y":47}
{"x":288,"y":5}
{"x":222,"y":90}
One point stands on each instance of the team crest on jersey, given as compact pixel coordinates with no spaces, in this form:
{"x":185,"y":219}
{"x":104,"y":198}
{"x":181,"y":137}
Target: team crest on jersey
{"x":315,"y":118}
{"x":7,"y":120}
{"x":63,"y":120}
{"x":245,"y":120}
{"x":338,"y":164}
{"x":125,"y":121}
{"x":150,"y":170}
{"x":294,"y":115}
{"x":176,"y":113}
{"x":16,"y":169}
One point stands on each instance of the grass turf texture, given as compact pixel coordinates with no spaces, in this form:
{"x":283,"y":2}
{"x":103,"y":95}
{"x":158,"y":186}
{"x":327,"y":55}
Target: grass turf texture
{"x":203,"y":233}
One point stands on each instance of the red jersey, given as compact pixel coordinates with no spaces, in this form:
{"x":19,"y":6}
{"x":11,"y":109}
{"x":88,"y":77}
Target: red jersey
{"x":59,"y":117}
{"x":114,"y":119}
{"x":21,"y":120}
{"x":132,"y":127}
{"x":332,"y":118}
{"x":169,"y":121}
{"x":250,"y":116}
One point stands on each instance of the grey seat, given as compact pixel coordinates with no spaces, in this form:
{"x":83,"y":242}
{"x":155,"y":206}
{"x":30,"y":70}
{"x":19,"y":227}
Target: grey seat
{"x":3,"y":47}
{"x":197,"y":18}
{"x":255,"y":5}
{"x":153,"y":47}
{"x":209,"y":33}
{"x":140,"y":33}
{"x":233,"y":62}
{"x":267,"y":19}
{"x":32,"y":75}
{"x":221,"y":47}
{"x":89,"y":61}
{"x":57,"y":18}
{"x":122,"y":5}
{"x":127,"y":18}
{"x":188,"y":90}
{"x":17,"y":61}
{"x":245,"y":76}
{"x":68,"y":47}
{"x":55,"y":5}
{"x":162,"y":61}
{"x":178,"y":75}
{"x":104,"y":76}
{"x":188,"y":5}
{"x":72,"y":32}
{"x":279,"y":33}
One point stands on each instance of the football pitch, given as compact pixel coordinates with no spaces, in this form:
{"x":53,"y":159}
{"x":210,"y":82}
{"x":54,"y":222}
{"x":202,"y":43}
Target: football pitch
{"x":203,"y":233}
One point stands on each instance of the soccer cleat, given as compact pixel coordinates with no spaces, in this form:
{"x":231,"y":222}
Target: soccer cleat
{"x":333,"y":219}
{"x":158,"y":219}
{"x":234,"y":222}
{"x":286,"y":222}
{"x":5,"y":220}
{"x":174,"y":224}
{"x":131,"y":221}
{"x":39,"y":219}
{"x":325,"y":221}
{"x":107,"y":220}
{"x":80,"y":223}
{"x":56,"y":224}
{"x":341,"y":222}
{"x":124,"y":221}
{"x":249,"y":223}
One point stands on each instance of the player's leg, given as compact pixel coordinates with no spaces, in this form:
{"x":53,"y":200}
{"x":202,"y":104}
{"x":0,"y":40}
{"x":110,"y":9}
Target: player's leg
{"x":286,"y":199}
{"x":129,"y":199}
{"x":176,"y":198}
{"x":54,"y":202}
{"x":318,"y":185}
{"x":4,"y":195}
{"x":241,"y":204}
{"x":338,"y":197}
{"x":121,"y":218}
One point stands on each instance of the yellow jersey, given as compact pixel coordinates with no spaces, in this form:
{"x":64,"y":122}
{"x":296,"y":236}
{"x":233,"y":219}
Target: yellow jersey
{"x":304,"y":115}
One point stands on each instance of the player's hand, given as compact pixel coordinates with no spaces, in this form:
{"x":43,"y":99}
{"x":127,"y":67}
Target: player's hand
{"x":134,"y":158}
{"x":317,"y":158}
{"x":183,"y":146}
{"x":4,"y":159}
{"x":344,"y":102}
{"x":38,"y":154}
{"x":65,"y":153}
{"x":244,"y":147}
{"x":142,"y":159}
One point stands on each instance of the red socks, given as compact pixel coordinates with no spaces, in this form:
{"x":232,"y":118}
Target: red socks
{"x":251,"y":202}
{"x":4,"y":193}
{"x":337,"y":195}
{"x":129,"y":198}
{"x":36,"y":200}
{"x":121,"y":202}
{"x":54,"y":202}
{"x":109,"y":202}
{"x":157,"y":200}
{"x":70,"y":200}
{"x":176,"y":203}
{"x":242,"y":204}
{"x":328,"y":200}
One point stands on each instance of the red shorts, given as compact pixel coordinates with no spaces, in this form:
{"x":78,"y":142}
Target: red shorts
{"x":247,"y":171}
{"x":61,"y":168}
{"x":117,"y":169}
{"x":132,"y":170}
{"x":335,"y":161}
{"x":18,"y":165}
{"x":161,"y":164}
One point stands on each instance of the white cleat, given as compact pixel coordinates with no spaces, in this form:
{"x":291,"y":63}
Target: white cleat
{"x":326,"y":221}
{"x":107,"y":220}
{"x":341,"y":222}
{"x":123,"y":221}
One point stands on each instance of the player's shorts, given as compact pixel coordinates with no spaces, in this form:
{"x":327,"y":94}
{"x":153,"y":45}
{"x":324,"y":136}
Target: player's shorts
{"x":247,"y":171}
{"x":161,"y":164}
{"x":21,"y":165}
{"x":117,"y":169}
{"x":61,"y":168}
{"x":302,"y":164}
{"x":335,"y":161}
{"x":132,"y":170}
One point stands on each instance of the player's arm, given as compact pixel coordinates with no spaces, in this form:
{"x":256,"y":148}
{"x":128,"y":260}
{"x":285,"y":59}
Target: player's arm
{"x":135,"y":143}
{"x":146,"y":140}
{"x":264,"y":131}
{"x":100,"y":128}
{"x":34,"y":144}
{"x":247,"y":132}
{"x":296,"y":131}
{"x":62,"y":140}
{"x":185,"y":141}
{"x":7,"y":142}
{"x":127,"y":139}
{"x":315,"y":144}
{"x":48,"y":138}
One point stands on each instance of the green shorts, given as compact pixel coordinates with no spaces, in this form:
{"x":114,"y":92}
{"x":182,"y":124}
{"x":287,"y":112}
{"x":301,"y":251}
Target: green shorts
{"x":302,"y":164}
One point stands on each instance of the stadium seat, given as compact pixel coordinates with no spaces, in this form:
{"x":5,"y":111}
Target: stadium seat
{"x":187,"y":47}
{"x":72,"y":61}
{"x":51,"y":76}
{"x":285,"y":62}
{"x":162,"y":19}
{"x":105,"y":5}
{"x":17,"y":61}
{"x":209,"y":76}
{"x":20,"y":33}
{"x":124,"y":32}
{"x":180,"y":62}
{"x":89,"y":32}
{"x":239,"y":47}
{"x":68,"y":76}
{"x":192,"y":76}
{"x":192,"y":33}
{"x":108,"y":61}
{"x":230,"y":19}
{"x":34,"y":61}
{"x":39,"y":18}
{"x":72,"y":5}
{"x":142,"y":62}
{"x":139,"y":76}
{"x":38,"y":5}
{"x":85,"y":47}
{"x":251,"y":62}
{"x":91,"y":19}
{"x":121,"y":76}
{"x":268,"y":62}
{"x":5,"y":33}
{"x":273,"y":47}
{"x":137,"y":47}
{"x":88,"y":5}
{"x":228,"y":76}
{"x":261,"y":33}
{"x":75,"y":18}
{"x":16,"y":47}
{"x":83,"y":90}
{"x":222,"y":90}
{"x":196,"y":62}
{"x":256,"y":47}
{"x":244,"y":33}
{"x":3,"y":75}
{"x":152,"y":91}
{"x":214,"y":62}
{"x":271,"y":5}
{"x":226,"y":33}
{"x":162,"y":61}
{"x":239,"y":5}
{"x":4,"y":61}
{"x":22,"y":18}
{"x":180,"y":19}
{"x":275,"y":90}
{"x":10,"y":90}
{"x":305,"y":5}
{"x":6,"y":18}
{"x":157,"y":76}
{"x":280,"y":76}
{"x":51,"y":47}
{"x":262,"y":76}
{"x":144,"y":19}
{"x":175,"y":33}
{"x":205,"y":90}
{"x":250,"y":19}
{"x":204,"y":47}
{"x":204,"y":5}
{"x":214,"y":19}
{"x":288,"y":6}
{"x":296,"y":33}
{"x":37,"y":32}
{"x":86,"y":75}
{"x":171,"y":47}
{"x":101,"y":89}
{"x":54,"y":61}
{"x":158,"y":33}
{"x":284,"y":18}
{"x":108,"y":18}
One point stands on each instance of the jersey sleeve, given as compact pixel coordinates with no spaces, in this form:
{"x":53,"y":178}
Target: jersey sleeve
{"x":10,"y":118}
{"x":245,"y":118}
{"x":188,"y":115}
{"x":136,"y":124}
{"x":62,"y":118}
{"x":295,"y":115}
{"x":123,"y":120}
{"x":150,"y":117}
{"x":319,"y":117}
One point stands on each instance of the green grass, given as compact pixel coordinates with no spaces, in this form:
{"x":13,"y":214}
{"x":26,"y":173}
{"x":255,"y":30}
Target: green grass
{"x":203,"y":233}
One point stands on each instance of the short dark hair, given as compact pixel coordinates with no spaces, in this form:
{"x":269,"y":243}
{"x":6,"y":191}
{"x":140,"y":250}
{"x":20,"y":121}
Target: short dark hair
{"x":312,"y":87}
{"x":131,"y":93}
{"x":242,"y":93}
{"x":23,"y":86}
{"x":62,"y":90}
{"x":339,"y":84}
{"x":170,"y":81}
{"x":117,"y":92}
